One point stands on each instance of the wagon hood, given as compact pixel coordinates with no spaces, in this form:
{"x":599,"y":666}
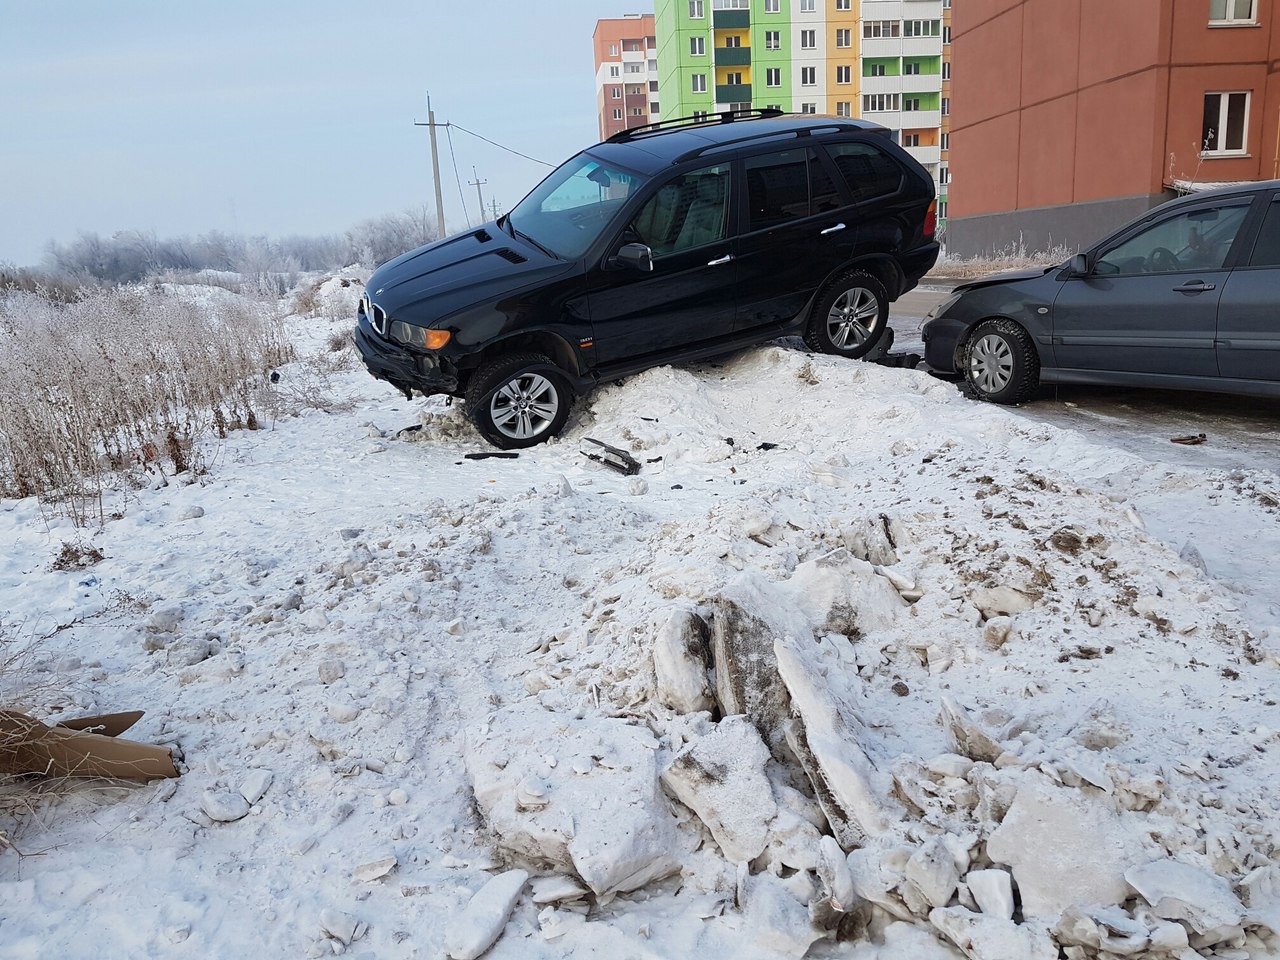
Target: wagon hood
{"x":1010,"y":276}
{"x":435,"y":281}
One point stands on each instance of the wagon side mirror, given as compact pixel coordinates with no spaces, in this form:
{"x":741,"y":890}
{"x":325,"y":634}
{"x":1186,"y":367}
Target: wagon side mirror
{"x":1079,"y":266}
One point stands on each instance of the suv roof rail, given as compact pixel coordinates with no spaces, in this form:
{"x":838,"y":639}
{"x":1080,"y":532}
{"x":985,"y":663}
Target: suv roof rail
{"x":834,"y":126}
{"x":662,"y":126}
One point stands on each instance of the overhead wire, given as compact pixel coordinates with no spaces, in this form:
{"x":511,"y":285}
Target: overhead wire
{"x":458,"y":179}
{"x":499,"y":145}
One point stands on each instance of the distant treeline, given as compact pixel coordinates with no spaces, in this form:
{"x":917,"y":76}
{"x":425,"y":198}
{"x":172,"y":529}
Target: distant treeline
{"x":133,"y":255}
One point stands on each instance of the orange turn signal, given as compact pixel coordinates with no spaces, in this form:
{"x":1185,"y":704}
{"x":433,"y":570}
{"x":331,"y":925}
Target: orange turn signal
{"x":435,"y":339}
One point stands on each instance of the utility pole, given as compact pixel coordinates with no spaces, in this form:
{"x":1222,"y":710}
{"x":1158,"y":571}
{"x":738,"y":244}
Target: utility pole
{"x":495,"y":207}
{"x":435,"y":163}
{"x":479,"y":196}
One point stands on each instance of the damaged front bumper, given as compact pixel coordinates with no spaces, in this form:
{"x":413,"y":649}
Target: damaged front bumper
{"x":405,"y":370}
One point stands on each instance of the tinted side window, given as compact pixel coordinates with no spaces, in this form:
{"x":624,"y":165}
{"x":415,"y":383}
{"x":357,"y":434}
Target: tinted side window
{"x":824,"y":193}
{"x":869,"y":171}
{"x":1195,"y":240}
{"x":777,"y":188}
{"x":690,"y":211}
{"x":1266,"y":252}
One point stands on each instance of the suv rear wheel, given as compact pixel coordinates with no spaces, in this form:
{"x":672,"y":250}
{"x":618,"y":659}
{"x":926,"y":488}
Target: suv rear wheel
{"x":849,"y":317}
{"x":519,"y":400}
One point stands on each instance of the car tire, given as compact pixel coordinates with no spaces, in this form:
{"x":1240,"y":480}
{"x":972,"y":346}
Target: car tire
{"x":849,"y":317}
{"x":519,"y":400}
{"x":1000,"y":362}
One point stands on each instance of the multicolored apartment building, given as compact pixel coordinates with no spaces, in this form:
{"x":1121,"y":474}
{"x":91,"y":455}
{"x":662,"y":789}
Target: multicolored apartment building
{"x":626,"y":73}
{"x":884,"y":60}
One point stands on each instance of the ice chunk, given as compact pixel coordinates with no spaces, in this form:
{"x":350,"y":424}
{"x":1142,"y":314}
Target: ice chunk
{"x":778,"y":921}
{"x":224,"y":806}
{"x":745,"y":667}
{"x":993,"y":892}
{"x":473,"y":931}
{"x":982,"y":937}
{"x":966,"y":735}
{"x":933,"y":871}
{"x":721,"y":778}
{"x":681,"y":658}
{"x":1066,"y":848}
{"x":1180,"y":891}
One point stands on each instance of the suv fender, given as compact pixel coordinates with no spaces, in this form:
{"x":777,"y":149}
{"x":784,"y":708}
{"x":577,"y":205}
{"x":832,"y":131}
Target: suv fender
{"x":563,"y":355}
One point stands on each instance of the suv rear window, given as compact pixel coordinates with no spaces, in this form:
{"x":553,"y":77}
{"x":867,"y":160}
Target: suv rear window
{"x":786,"y":186}
{"x":868,"y":171}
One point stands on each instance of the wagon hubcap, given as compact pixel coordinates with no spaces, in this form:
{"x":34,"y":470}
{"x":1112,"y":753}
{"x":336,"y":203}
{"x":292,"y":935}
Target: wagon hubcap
{"x":991,"y":364}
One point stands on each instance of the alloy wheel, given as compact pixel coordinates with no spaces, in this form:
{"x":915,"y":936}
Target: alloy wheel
{"x":852,"y":318}
{"x":524,"y":406}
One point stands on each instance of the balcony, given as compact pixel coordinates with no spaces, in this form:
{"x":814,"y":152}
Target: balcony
{"x":922,"y":119}
{"x":925,"y":155}
{"x":733,"y":56}
{"x":921,"y":46}
{"x":880,"y":84}
{"x":730,"y":19}
{"x":733,"y":93}
{"x":922,"y":82}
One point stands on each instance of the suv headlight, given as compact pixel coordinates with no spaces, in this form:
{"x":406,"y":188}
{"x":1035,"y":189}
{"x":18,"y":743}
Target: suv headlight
{"x":421,"y":337}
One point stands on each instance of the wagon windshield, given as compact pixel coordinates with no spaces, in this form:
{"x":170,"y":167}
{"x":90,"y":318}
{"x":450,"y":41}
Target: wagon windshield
{"x":567,"y":212}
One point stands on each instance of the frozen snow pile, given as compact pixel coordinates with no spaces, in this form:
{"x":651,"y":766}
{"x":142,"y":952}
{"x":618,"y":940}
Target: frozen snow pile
{"x":853,"y":668}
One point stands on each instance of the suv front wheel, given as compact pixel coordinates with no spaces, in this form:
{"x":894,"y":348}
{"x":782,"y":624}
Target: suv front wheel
{"x":518,"y":401}
{"x":849,"y":317}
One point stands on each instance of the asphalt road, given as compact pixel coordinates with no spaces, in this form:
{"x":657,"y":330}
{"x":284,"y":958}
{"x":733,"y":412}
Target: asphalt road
{"x":1242,"y":432}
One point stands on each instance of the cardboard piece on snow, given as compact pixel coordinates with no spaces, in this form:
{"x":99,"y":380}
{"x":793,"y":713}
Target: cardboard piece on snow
{"x":84,"y":747}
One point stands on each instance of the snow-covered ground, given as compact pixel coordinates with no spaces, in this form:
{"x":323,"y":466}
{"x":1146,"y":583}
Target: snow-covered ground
{"x":997,"y":647}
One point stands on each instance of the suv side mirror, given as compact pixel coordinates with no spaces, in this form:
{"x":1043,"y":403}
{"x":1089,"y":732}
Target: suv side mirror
{"x":1079,"y":266}
{"x":636,"y":256}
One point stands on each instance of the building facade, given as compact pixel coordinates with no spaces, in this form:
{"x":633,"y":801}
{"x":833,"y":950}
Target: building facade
{"x":626,"y":55}
{"x":1073,"y":116}
{"x":882,"y":60}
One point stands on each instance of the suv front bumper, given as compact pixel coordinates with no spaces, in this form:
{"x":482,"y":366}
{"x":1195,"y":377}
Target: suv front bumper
{"x":402,"y":369}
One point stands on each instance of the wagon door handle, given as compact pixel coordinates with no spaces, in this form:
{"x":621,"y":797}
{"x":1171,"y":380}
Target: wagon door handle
{"x":1195,"y":286}
{"x":836,"y":229}
{"x":725,"y":259}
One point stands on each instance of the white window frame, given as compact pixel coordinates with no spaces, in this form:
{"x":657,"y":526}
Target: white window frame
{"x":772,"y":6}
{"x":773,"y":39}
{"x":946,"y":106}
{"x":696,"y":10}
{"x":808,"y":76}
{"x":844,"y":108}
{"x":844,"y":4}
{"x":733,"y":42}
{"x":698,"y":82}
{"x":911,"y":139}
{"x":1223,"y":104}
{"x":880,"y":103}
{"x":946,"y":69}
{"x":911,"y":103}
{"x":1230,"y":19}
{"x":613,"y":70}
{"x":617,"y":93}
{"x":808,"y":39}
{"x":910,"y":69}
{"x":617,"y":113}
{"x":844,"y":37}
{"x":773,"y":76}
{"x":808,"y":108}
{"x":881,"y":29}
{"x":697,"y":46}
{"x":733,"y":79}
{"x":613,"y":49}
{"x":921,"y":28}
{"x":807,"y":6}
{"x":944,"y":141}
{"x":844,"y":73}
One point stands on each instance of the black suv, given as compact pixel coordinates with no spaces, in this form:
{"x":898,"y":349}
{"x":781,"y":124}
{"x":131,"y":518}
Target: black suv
{"x":670,"y":242}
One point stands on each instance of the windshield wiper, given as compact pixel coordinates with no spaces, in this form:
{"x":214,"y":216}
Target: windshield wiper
{"x":528,"y":239}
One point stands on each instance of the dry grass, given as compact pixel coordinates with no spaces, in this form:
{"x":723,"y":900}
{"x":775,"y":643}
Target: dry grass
{"x":1016,"y":256}
{"x":121,"y":380}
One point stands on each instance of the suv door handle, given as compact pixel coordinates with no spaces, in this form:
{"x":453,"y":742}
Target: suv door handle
{"x":836,"y":229}
{"x":725,"y":259}
{"x":1195,"y":286}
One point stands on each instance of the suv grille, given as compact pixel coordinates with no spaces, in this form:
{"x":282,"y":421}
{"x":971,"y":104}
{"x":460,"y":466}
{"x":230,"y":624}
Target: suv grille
{"x":508,"y":254}
{"x":376,"y":315}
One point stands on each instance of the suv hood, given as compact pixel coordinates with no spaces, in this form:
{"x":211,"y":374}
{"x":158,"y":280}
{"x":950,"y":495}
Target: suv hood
{"x":432,"y":282}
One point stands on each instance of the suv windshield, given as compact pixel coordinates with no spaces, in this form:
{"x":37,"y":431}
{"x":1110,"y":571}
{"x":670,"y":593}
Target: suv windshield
{"x":567,"y":211}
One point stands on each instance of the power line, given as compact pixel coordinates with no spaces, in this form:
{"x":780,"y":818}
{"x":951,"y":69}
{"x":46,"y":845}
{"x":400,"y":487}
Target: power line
{"x":499,"y":146}
{"x":449,"y":133}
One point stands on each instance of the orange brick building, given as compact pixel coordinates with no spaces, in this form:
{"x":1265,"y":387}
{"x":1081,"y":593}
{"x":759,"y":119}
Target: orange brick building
{"x":1071,"y":116}
{"x":626,"y":73}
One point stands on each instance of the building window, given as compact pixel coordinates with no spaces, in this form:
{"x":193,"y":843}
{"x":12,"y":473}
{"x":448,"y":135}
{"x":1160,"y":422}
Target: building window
{"x":946,"y":69}
{"x":844,"y":74}
{"x":653,"y":106}
{"x":653,"y":86}
{"x":876,"y":29}
{"x":946,"y":35}
{"x":911,"y":103}
{"x":653,"y":66}
{"x":946,"y":141}
{"x":613,"y":49}
{"x":697,"y":46}
{"x":942,"y":208}
{"x":911,"y":139}
{"x":910,"y":69}
{"x":876,"y":70}
{"x":699,"y":83}
{"x":773,"y":106}
{"x":808,"y":76}
{"x":731,"y":4}
{"x":617,"y":93}
{"x":944,"y":175}
{"x":634,"y":68}
{"x":808,"y":108}
{"x":773,"y":77}
{"x":843,"y":5}
{"x":696,"y":11}
{"x":843,"y":38}
{"x":772,"y":6}
{"x":617,"y":113}
{"x":844,"y":108}
{"x":1226,"y":121}
{"x":637,"y":111}
{"x":733,"y":79}
{"x":699,"y":114}
{"x":921,"y":28}
{"x":613,"y":71}
{"x":806,"y":6}
{"x":1233,"y":11}
{"x":946,"y":106}
{"x":808,"y":39}
{"x":773,"y":40}
{"x":733,"y":41}
{"x":879,"y":102}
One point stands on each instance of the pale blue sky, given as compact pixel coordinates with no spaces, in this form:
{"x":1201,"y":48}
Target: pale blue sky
{"x":277,"y":117}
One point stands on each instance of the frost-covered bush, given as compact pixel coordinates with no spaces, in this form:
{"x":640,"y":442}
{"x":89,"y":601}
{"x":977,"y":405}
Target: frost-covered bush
{"x":122,"y":378}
